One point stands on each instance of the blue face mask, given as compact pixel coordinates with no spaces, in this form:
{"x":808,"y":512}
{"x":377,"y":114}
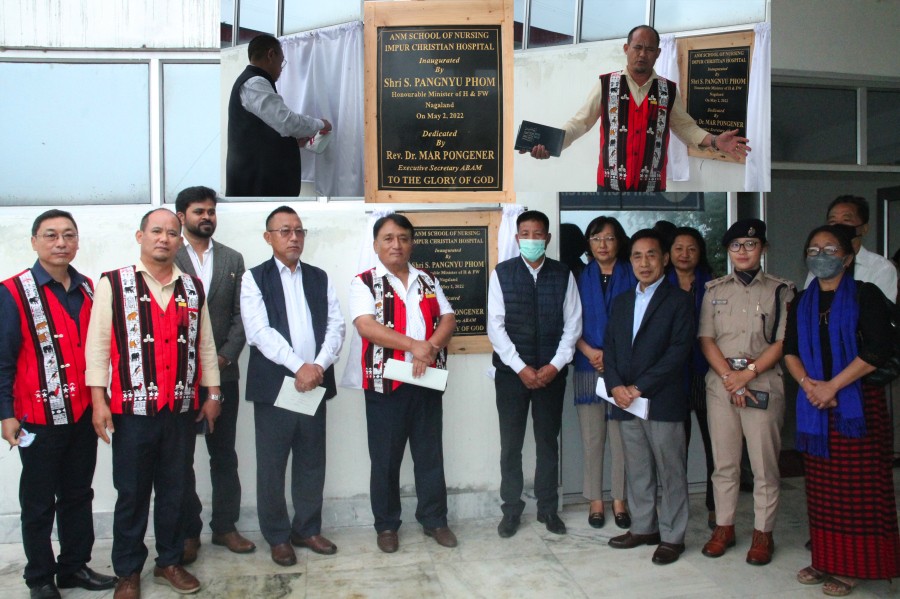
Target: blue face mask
{"x":532,"y":249}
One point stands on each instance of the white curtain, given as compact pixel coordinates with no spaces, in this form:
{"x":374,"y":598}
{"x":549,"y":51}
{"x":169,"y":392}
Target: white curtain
{"x":324,"y":78}
{"x":677,"y":168}
{"x":757,"y":175}
{"x":352,"y":377}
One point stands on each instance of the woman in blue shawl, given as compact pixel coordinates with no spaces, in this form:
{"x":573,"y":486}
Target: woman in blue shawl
{"x":690,"y":270}
{"x":838,"y":331}
{"x":607,"y":275}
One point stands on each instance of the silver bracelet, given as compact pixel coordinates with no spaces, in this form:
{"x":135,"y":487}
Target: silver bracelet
{"x":216,"y":397}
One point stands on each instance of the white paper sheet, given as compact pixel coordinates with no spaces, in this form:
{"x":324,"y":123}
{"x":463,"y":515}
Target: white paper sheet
{"x":640,"y":407}
{"x":304,"y":403}
{"x":398,"y":370}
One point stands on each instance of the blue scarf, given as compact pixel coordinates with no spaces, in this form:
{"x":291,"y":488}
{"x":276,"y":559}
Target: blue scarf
{"x":596,"y":305}
{"x":812,"y":423}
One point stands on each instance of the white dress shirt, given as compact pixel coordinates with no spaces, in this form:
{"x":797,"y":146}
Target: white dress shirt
{"x":258,"y":98}
{"x":362,"y":302}
{"x":496,"y":325}
{"x":872,"y":268}
{"x":301,"y":349}
{"x":203,"y":266}
{"x":641,"y":301}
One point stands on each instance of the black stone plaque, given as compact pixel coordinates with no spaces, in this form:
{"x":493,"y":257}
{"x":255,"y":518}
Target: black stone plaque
{"x":440,"y":117}
{"x":458,"y":257}
{"x":718,"y":80}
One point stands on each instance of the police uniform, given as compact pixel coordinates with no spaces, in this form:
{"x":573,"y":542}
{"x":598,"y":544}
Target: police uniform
{"x":744,"y":320}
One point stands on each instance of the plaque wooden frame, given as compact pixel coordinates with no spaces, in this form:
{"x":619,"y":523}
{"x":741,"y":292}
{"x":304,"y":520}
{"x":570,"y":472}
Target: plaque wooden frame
{"x":476,"y":344}
{"x":436,"y":13}
{"x":707,"y":42}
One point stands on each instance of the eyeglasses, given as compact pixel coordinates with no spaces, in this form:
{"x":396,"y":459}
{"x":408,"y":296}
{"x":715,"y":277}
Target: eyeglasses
{"x":749,"y":245}
{"x":53,"y":237}
{"x":608,"y":239}
{"x":285,"y":232}
{"x":828,"y":250}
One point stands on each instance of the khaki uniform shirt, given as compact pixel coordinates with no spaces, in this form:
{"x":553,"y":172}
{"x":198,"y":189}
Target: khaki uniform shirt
{"x":742,"y":318}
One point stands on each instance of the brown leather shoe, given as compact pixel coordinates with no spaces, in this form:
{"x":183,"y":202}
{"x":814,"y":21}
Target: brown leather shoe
{"x":761,"y":548}
{"x":388,"y":541}
{"x":191,"y":547}
{"x":316,"y":543}
{"x":283,"y":554}
{"x":128,"y":587}
{"x":176,"y":577}
{"x":444,"y":536}
{"x":630,"y":540}
{"x":234,"y":542}
{"x":722,"y":538}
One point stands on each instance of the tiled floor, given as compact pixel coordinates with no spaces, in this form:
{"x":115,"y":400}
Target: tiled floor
{"x":534,"y":563}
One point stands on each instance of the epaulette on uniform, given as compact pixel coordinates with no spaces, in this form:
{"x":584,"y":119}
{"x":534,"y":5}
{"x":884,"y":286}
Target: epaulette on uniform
{"x":719,"y":281}
{"x":781,"y":280}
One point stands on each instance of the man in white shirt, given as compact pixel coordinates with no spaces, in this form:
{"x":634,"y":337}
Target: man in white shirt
{"x":295,"y":330}
{"x":868,"y":266}
{"x":264,"y":135}
{"x":220,"y":268}
{"x":534,"y":320}
{"x":401,"y":313}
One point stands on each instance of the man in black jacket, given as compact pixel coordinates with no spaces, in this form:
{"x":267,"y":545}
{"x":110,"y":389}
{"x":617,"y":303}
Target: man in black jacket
{"x":648,"y":339}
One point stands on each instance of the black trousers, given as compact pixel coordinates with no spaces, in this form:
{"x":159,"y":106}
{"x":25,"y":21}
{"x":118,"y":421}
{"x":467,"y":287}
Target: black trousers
{"x":513,"y":401}
{"x":281,"y":433}
{"x":223,"y":471}
{"x":150,"y":454}
{"x":415,"y":414}
{"x":698,"y":406}
{"x":57,"y":472}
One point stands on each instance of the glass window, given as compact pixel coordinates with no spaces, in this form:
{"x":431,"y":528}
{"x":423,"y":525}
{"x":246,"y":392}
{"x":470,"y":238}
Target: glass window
{"x":302,"y":15}
{"x":685,"y":15}
{"x":552,"y":23}
{"x":75,"y":133}
{"x":256,"y":16}
{"x":610,"y":19}
{"x":828,"y":137}
{"x":883,"y":117}
{"x":518,"y":23}
{"x":190,"y":127}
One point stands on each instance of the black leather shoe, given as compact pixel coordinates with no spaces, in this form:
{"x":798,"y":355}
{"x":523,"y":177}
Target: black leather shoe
{"x":667,"y":553}
{"x":596,"y":520}
{"x":553,"y":522}
{"x":623,"y":520}
{"x":508,"y":526}
{"x":45,"y":591}
{"x":630,"y":540}
{"x":85,"y":578}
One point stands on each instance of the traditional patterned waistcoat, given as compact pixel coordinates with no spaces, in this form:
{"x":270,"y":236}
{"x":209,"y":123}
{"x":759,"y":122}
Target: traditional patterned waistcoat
{"x":154,"y":352}
{"x":49,"y":387}
{"x":390,"y":311}
{"x":634,"y":138}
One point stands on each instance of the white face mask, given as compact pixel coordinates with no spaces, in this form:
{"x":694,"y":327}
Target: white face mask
{"x":532,"y":249}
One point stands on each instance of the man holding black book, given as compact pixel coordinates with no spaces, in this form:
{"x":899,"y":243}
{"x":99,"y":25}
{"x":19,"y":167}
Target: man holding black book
{"x":644,"y":109}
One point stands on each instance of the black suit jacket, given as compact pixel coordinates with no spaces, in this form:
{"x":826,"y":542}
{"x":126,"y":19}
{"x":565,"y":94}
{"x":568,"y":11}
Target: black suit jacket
{"x":224,"y":301}
{"x":654,"y":361}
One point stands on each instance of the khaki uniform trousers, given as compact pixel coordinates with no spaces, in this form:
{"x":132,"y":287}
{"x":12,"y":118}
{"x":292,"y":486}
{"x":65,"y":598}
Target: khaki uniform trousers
{"x":762,"y":429}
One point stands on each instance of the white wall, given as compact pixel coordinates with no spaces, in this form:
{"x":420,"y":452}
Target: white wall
{"x":471,"y":434}
{"x":550,"y":86}
{"x":109,"y":24}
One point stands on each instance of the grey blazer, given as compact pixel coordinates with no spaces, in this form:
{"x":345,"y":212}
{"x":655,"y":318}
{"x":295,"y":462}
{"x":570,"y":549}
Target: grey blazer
{"x":224,"y":301}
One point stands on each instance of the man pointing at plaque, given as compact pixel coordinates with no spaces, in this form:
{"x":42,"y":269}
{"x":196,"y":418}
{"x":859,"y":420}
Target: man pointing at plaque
{"x":639,"y":108}
{"x":264,"y":135}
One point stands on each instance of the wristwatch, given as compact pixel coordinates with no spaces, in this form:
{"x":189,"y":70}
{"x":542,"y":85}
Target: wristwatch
{"x":216,"y":397}
{"x":752,"y":368}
